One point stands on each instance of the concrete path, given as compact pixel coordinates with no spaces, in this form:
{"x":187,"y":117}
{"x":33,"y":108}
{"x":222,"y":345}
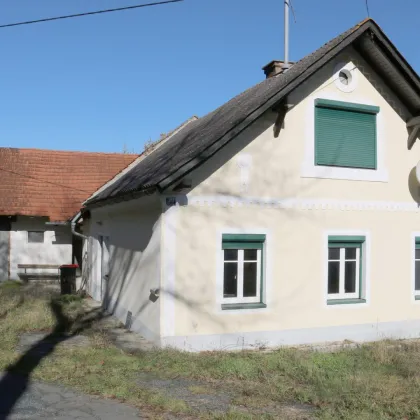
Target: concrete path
{"x":45,"y":401}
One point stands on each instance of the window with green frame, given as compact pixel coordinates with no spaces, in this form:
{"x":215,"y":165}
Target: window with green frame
{"x":345,"y":269}
{"x":417,"y":269}
{"x":345,"y":134}
{"x":243,"y":271}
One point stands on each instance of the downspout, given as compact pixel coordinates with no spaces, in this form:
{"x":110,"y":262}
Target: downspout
{"x":73,"y":226}
{"x":79,"y":235}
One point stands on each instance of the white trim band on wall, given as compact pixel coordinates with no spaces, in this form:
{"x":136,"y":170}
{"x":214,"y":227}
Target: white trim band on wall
{"x":298,"y":203}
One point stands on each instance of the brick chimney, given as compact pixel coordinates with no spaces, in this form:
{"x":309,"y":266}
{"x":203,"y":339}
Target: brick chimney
{"x":276,"y":67}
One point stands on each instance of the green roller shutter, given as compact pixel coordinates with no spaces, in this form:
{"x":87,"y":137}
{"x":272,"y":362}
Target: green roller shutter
{"x":345,"y":137}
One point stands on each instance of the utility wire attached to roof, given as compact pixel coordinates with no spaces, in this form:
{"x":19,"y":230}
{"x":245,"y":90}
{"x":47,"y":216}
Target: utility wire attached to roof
{"x":367,"y":8}
{"x":97,"y":12}
{"x":293,"y":10}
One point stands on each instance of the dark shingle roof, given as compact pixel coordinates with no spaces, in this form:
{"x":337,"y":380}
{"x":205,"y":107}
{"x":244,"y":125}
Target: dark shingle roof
{"x":202,"y":138}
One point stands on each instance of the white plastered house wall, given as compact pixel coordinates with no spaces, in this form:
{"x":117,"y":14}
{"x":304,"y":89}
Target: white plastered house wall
{"x":132,"y":231}
{"x":134,"y":238}
{"x":56,"y":248}
{"x":270,"y":186}
{"x":263,"y":184}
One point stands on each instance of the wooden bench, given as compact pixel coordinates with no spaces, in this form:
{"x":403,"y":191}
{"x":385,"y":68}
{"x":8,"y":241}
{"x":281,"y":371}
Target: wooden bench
{"x":45,"y":276}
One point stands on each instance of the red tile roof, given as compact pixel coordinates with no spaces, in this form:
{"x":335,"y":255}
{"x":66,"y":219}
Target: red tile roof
{"x":53,"y":183}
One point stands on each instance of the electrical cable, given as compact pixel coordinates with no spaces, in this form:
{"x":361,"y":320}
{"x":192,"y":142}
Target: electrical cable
{"x":97,"y":12}
{"x":43,"y":180}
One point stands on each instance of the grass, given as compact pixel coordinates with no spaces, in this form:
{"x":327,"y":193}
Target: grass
{"x":376,"y":381}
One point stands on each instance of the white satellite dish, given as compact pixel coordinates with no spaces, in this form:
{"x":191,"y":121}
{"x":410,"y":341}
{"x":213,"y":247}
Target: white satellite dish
{"x":418,"y":172}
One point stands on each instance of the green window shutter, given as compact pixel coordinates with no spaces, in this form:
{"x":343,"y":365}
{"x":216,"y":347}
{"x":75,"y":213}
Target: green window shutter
{"x":345,"y":137}
{"x":343,"y":238}
{"x":346,"y":241}
{"x":242,"y":241}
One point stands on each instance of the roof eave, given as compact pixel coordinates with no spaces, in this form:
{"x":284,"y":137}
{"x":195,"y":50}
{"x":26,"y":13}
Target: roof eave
{"x":132,"y":195}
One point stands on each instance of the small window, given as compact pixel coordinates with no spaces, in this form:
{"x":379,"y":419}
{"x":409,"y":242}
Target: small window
{"x":345,"y":269}
{"x":35,"y":237}
{"x":417,"y":269}
{"x":345,"y":77}
{"x":345,"y":134}
{"x":243,"y":271}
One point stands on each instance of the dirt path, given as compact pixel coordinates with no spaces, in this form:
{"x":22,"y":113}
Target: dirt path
{"x":47,"y":401}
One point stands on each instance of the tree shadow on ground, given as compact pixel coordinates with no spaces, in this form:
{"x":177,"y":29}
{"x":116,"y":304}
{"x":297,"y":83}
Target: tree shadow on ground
{"x":15,"y":381}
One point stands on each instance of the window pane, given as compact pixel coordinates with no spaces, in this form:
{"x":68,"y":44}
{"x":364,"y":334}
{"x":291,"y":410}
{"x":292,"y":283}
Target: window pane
{"x":230,"y":280}
{"x":333,"y":277}
{"x":417,"y":254}
{"x":231,"y":255}
{"x":250,"y":279}
{"x":36,"y":237}
{"x":333,"y":253}
{"x":350,"y":253}
{"x":417,"y":285}
{"x":350,"y":277}
{"x":250,"y":255}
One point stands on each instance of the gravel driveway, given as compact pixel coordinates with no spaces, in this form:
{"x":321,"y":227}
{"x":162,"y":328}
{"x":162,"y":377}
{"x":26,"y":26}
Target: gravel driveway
{"x":45,"y":401}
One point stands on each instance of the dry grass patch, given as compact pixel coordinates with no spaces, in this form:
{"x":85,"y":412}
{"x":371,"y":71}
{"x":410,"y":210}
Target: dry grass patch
{"x":377,"y":381}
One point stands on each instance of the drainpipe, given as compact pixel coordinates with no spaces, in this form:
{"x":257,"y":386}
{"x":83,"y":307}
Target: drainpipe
{"x":79,"y":235}
{"x":73,"y":226}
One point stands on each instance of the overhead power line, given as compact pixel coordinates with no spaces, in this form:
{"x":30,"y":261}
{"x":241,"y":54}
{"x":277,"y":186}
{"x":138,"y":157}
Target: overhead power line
{"x":293,"y":10}
{"x":97,"y":12}
{"x":44,"y":180}
{"x":367,"y":8}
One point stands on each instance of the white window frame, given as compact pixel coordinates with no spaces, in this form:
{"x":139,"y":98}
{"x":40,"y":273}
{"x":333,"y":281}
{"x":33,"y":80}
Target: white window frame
{"x":342,"y":262}
{"x":310,"y":170}
{"x":415,"y":293}
{"x":365,"y":285}
{"x":240,"y":281}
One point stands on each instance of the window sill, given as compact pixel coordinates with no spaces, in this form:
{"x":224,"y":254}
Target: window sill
{"x":345,"y":301}
{"x":233,"y":306}
{"x":310,"y":170}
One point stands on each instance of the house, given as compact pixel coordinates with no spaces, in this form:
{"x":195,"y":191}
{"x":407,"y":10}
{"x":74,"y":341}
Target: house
{"x":40,"y":192}
{"x":289,"y":215}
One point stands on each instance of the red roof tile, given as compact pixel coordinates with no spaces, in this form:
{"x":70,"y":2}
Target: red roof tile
{"x":53,"y":183}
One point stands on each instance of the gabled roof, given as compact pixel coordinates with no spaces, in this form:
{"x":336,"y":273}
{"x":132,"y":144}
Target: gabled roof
{"x":148,"y":149}
{"x":201,"y":139}
{"x":53,"y":184}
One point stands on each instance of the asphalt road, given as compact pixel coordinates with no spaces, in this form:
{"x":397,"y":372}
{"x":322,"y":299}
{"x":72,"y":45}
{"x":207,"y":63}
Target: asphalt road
{"x":36,"y":400}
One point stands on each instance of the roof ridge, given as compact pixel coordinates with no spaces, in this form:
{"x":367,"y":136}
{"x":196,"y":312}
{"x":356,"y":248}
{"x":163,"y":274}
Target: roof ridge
{"x":33,"y":149}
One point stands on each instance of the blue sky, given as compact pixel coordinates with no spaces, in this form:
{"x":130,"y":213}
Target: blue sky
{"x":99,"y":83}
